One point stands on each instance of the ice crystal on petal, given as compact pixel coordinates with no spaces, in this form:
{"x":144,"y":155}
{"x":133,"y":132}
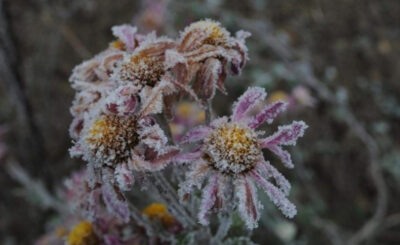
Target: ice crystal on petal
{"x":286,"y":135}
{"x":208,"y":199}
{"x":268,"y":114}
{"x":115,"y":202}
{"x":247,"y":101}
{"x":249,"y":205}
{"x":196,"y":134}
{"x":124,"y":177}
{"x":126,"y":34}
{"x":276,"y":196}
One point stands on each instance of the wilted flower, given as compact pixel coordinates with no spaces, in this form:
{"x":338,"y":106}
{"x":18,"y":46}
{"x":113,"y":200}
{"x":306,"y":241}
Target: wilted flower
{"x":230,"y":152}
{"x":206,"y":49}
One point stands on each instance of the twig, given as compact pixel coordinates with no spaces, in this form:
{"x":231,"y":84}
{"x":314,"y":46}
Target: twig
{"x":33,"y":186}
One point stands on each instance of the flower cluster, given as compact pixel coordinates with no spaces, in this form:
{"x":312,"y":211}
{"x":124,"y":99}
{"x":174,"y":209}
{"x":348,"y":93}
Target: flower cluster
{"x":125,"y":97}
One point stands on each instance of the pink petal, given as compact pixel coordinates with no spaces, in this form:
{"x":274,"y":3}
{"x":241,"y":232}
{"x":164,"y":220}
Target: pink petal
{"x":188,"y":157}
{"x":138,"y":163}
{"x":123,"y":101}
{"x":248,"y":204}
{"x":247,"y":101}
{"x":268,"y":114}
{"x":208,"y":199}
{"x":194,"y":177}
{"x":286,"y":135}
{"x":124,"y":177}
{"x":196,"y":134}
{"x":126,"y":33}
{"x":115,"y":202}
{"x":162,"y":160}
{"x":268,"y":171}
{"x":282,"y":154}
{"x":275,"y":195}
{"x":153,"y":136}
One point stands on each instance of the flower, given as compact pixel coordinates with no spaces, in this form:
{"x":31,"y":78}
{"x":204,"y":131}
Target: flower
{"x":82,"y":234}
{"x":117,"y":139}
{"x":205,"y":49}
{"x":230,"y":152}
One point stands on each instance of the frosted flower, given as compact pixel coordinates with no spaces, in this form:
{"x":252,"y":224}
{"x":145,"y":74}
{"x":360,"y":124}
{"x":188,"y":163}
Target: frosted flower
{"x":230,"y":152}
{"x":118,"y":130}
{"x":206,"y":49}
{"x":145,"y":66}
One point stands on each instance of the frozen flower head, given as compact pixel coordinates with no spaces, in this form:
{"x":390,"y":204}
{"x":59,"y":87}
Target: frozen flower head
{"x":146,"y":65}
{"x":208,"y":53}
{"x":231,"y":152}
{"x":119,"y":137}
{"x":110,"y":138}
{"x":204,"y":32}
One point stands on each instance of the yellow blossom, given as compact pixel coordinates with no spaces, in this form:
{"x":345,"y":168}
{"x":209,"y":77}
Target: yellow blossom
{"x":159,"y":211}
{"x":82,"y":234}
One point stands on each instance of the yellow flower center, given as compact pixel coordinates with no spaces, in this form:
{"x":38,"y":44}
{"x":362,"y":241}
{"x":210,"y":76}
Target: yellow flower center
{"x":82,"y":234}
{"x":118,"y":44}
{"x":232,"y":148}
{"x":111,"y":138}
{"x":160,"y":212}
{"x":143,"y":68}
{"x":217,"y":35}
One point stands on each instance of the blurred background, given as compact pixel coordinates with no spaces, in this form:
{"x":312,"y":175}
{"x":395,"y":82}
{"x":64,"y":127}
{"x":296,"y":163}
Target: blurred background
{"x":336,"y":62}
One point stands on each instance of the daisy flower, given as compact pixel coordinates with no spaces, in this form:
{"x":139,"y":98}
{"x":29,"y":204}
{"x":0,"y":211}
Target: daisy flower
{"x":117,"y":139}
{"x":230,"y":154}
